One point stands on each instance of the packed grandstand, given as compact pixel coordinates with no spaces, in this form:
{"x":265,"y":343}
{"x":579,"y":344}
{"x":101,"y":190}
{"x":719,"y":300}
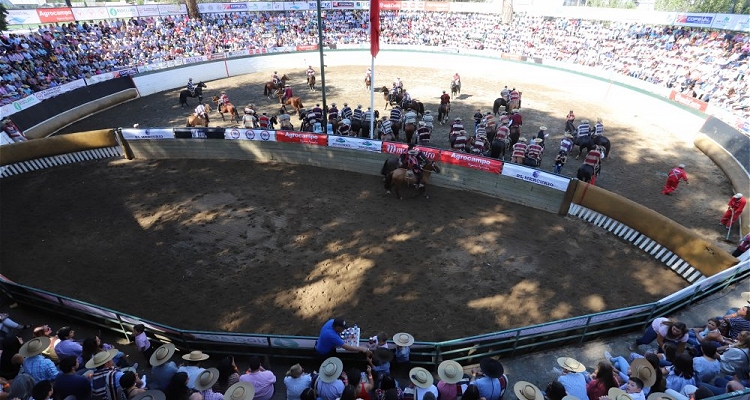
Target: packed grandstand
{"x":709,"y":65}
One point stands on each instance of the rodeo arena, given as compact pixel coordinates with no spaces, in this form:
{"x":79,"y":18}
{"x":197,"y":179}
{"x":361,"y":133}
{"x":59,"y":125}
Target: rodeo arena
{"x":391,"y":200}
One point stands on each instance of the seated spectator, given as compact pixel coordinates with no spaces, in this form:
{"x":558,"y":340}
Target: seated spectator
{"x":362,"y":388}
{"x":453,"y":382}
{"x":680,"y":373}
{"x":527,"y":391}
{"x":296,"y":381}
{"x":328,"y":386}
{"x":45,"y":330}
{"x":162,"y":367}
{"x":68,"y":346}
{"x":42,"y":391}
{"x":572,"y":377}
{"x":69,"y":383}
{"x":736,"y":355}
{"x":228,"y":375}
{"x":131,"y":386}
{"x":204,"y":383}
{"x":388,"y":384}
{"x":193,"y":367}
{"x":34,"y":363}
{"x":105,"y":380}
{"x":602,"y":380}
{"x":178,"y":389}
{"x":707,"y":366}
{"x":262,"y":380}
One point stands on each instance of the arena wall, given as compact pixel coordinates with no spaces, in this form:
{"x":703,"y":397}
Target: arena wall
{"x":35,"y":149}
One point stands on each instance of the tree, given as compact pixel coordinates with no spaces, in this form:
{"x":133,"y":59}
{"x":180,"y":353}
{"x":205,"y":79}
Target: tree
{"x":192,"y":8}
{"x":704,"y":6}
{"x":507,"y":11}
{"x":3,"y":18}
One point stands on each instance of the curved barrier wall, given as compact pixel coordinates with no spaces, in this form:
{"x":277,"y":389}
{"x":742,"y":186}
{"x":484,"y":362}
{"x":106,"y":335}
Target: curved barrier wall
{"x":34,"y":149}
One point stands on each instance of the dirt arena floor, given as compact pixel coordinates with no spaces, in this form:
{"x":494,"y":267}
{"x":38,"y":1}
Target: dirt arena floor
{"x":237,"y":246}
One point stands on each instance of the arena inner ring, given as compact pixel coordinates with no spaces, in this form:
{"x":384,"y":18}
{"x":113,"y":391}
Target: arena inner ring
{"x":528,"y":100}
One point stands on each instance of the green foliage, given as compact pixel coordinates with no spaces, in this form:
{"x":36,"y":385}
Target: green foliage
{"x":611,"y":3}
{"x":3,"y":18}
{"x":704,"y":6}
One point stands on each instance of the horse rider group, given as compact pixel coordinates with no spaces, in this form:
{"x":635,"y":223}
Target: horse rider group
{"x":414,"y":160}
{"x":191,"y":87}
{"x":200,"y":111}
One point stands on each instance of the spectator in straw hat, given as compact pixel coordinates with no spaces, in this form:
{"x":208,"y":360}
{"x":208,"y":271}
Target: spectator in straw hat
{"x":34,"y":363}
{"x":403,"y":341}
{"x":162,"y":367}
{"x":262,"y":380}
{"x":193,"y":367}
{"x":453,"y":381}
{"x":105,"y":382}
{"x":296,"y":381}
{"x":527,"y":391}
{"x":329,"y":386}
{"x":240,"y":391}
{"x":571,"y":377}
{"x":422,"y":383}
{"x":490,"y":380}
{"x":150,"y":395}
{"x":204,"y":383}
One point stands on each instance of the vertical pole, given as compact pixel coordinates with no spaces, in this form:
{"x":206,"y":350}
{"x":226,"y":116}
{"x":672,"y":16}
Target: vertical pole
{"x":372,"y":98}
{"x":322,"y":67}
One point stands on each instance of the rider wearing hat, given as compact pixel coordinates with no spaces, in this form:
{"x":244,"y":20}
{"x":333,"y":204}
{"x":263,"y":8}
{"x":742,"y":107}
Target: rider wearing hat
{"x":445,"y":98}
{"x":428,"y":119}
{"x":345,"y":127}
{"x":310,"y":71}
{"x":424,"y":134}
{"x":566,"y":144}
{"x":459,"y":140}
{"x":598,"y":128}
{"x":396,"y":115}
{"x":413,"y":160}
{"x":200,"y":111}
{"x":386,"y":128}
{"x":333,"y":113}
{"x":318,"y":112}
{"x":479,"y":144}
{"x":535,"y":150}
{"x":275,"y":78}
{"x":584,"y":129}
{"x":288,"y":94}
{"x":223,"y":99}
{"x":519,"y":151}
{"x":346,"y":112}
{"x":191,"y":87}
{"x":457,"y":125}
{"x":248,"y":120}
{"x":358,"y":116}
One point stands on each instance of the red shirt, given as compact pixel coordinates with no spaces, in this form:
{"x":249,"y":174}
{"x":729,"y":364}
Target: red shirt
{"x":445,"y":98}
{"x":737,"y":204}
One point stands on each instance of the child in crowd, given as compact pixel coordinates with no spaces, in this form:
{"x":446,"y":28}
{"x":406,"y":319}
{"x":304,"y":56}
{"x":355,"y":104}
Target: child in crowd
{"x":141,"y":340}
{"x":403,"y":342}
{"x":560,"y":161}
{"x":634,"y":388}
{"x":380,"y":340}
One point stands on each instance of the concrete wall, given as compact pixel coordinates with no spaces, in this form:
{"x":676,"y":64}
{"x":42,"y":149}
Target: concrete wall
{"x":33,"y":149}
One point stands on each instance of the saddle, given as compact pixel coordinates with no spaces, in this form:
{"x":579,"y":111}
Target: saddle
{"x":410,"y":174}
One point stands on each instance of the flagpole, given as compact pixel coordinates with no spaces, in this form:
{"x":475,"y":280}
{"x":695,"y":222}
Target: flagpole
{"x":372,"y":97}
{"x":374,"y":49}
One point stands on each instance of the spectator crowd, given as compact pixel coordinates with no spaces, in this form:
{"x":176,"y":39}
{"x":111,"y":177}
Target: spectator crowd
{"x":707,"y":64}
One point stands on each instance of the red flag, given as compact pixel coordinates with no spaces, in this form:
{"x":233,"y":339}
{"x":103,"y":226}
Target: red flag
{"x":374,"y":27}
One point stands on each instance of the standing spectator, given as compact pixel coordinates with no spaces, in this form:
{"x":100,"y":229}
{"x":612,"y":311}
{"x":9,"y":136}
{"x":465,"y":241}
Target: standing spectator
{"x":560,"y":161}
{"x":734,"y":209}
{"x":10,"y":360}
{"x":330,"y":337}
{"x":664,"y":330}
{"x":453,"y":381}
{"x":262,"y":380}
{"x":491,"y":380}
{"x":35,"y":364}
{"x":141,"y":340}
{"x":162,"y":367}
{"x":674,"y":177}
{"x":193,"y":368}
{"x":69,"y":383}
{"x":228,"y":375}
{"x":67,"y":345}
{"x":572,"y":378}
{"x":296,"y":381}
{"x":403,"y":341}
{"x":328,"y":386}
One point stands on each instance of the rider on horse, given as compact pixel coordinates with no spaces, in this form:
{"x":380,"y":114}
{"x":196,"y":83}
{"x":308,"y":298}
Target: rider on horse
{"x":428,"y":120}
{"x":396,"y":115}
{"x":285,"y":121}
{"x":406,"y":100}
{"x":410,"y":117}
{"x":200,"y":111}
{"x":393,"y":93}
{"x":519,"y":151}
{"x":459,"y":141}
{"x":288,"y":93}
{"x":479,"y":144}
{"x":504,"y":119}
{"x":413,"y":160}
{"x":594,"y":157}
{"x":505,"y":94}
{"x":223,"y":99}
{"x":191,"y":87}
{"x":489,"y":121}
{"x":502,"y":132}
{"x":598,"y":128}
{"x":346,"y":112}
{"x":345,"y":127}
{"x":386,"y":128}
{"x":566,"y":144}
{"x":445,"y":98}
{"x":399,"y":85}
{"x":424,"y":134}
{"x":456,"y":79}
{"x":333,"y":113}
{"x":535,"y":150}
{"x":542,"y":135}
{"x":457,"y":125}
{"x":275,"y":79}
{"x":310,"y":71}
{"x":515,"y":99}
{"x":516,"y":119}
{"x":368,"y":74}
{"x":318,"y":112}
{"x":584,"y":129}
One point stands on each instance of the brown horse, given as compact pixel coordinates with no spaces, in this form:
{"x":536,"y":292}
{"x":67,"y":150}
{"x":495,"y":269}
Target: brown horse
{"x":227,"y":108}
{"x":311,"y":82}
{"x":194,"y":120}
{"x":409,"y":130}
{"x":295,"y":102}
{"x":368,"y":83}
{"x":270,"y":87}
{"x":402,"y":178}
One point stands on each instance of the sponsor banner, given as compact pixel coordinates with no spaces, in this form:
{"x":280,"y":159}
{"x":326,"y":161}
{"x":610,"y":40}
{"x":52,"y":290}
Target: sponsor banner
{"x":390,"y":5}
{"x":230,"y":338}
{"x":449,"y":50}
{"x":126,"y":72}
{"x":732,"y":22}
{"x":507,"y":56}
{"x":701,"y":20}
{"x":293,"y":343}
{"x":352,"y":46}
{"x":172,"y":9}
{"x":122,"y":12}
{"x":257,"y":51}
{"x":298,"y":6}
{"x":412,"y":5}
{"x":260,"y":6}
{"x":278,"y":6}
{"x":471,"y":161}
{"x":231,"y":7}
{"x":437,"y":6}
{"x":317,"y":139}
{"x":55,"y":15}
{"x":100,"y":78}
{"x":18,"y":105}
{"x":283,"y":49}
{"x":250,"y":134}
{"x":89,"y":13}
{"x":191,"y":60}
{"x":689,"y":101}
{"x":307,"y":47}
{"x":346,"y":142}
{"x":535,"y":176}
{"x":21,"y":17}
{"x":148,"y":11}
{"x":55,"y":91}
{"x":350,"y":4}
{"x":217,"y":56}
{"x":147,"y":134}
{"x":399,"y":148}
{"x":238,"y":53}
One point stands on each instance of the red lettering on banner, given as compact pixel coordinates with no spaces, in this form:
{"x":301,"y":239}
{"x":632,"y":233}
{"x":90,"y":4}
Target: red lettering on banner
{"x":437,"y":6}
{"x":510,"y":56}
{"x":689,"y":101}
{"x":394,"y":148}
{"x":307,"y":47}
{"x":302,"y":138}
{"x":390,"y":5}
{"x":55,"y":15}
{"x":471,"y":161}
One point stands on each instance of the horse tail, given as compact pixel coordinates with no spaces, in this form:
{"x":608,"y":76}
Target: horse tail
{"x":384,"y":170}
{"x":388,"y":181}
{"x":265,"y":90}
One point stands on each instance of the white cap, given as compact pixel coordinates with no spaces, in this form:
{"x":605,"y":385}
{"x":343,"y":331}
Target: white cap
{"x":738,"y":196}
{"x":681,"y":165}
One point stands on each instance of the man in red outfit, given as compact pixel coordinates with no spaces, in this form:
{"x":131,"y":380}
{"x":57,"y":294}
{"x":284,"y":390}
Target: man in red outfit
{"x":734,"y":208}
{"x":673,"y":179}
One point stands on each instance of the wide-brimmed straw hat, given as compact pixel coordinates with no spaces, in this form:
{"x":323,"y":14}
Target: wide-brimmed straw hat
{"x":660,"y":396}
{"x":162,"y":354}
{"x":527,"y":391}
{"x":450,"y":371}
{"x":34,"y":346}
{"x":240,"y":391}
{"x":331,"y":369}
{"x":101,"y":358}
{"x":522,"y":139}
{"x":542,"y":128}
{"x":206,"y":378}
{"x":195,"y":355}
{"x":491,"y":367}
{"x":538,"y":140}
{"x":643,"y":369}
{"x":151,"y":395}
{"x":421,"y":377}
{"x":618,"y":394}
{"x":403,"y":339}
{"x":570,"y":364}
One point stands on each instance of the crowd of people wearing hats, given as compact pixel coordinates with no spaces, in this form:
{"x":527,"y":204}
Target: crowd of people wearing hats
{"x":703,"y":63}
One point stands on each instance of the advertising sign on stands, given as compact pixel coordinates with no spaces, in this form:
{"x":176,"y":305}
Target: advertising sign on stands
{"x":89,"y":13}
{"x":47,"y":15}
{"x":535,"y":176}
{"x":172,"y":9}
{"x":122,"y":12}
{"x":147,"y":134}
{"x":346,"y":142}
{"x":388,"y":5}
{"x":18,"y":105}
{"x":260,"y":6}
{"x":307,"y":47}
{"x":148,"y":11}
{"x":57,"y":90}
{"x":732,"y":22}
{"x":302,"y":138}
{"x":297,"y":6}
{"x":701,"y":20}
{"x":471,"y":161}
{"x":250,"y":134}
{"x":437,"y":6}
{"x":22,"y":17}
{"x":689,"y":101}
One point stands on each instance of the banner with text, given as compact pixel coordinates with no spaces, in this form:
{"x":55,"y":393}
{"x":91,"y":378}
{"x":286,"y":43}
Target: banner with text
{"x":47,"y":15}
{"x":689,"y":101}
{"x":535,"y":176}
{"x":302,"y":138}
{"x":22,"y":17}
{"x":346,"y":142}
{"x":250,"y":134}
{"x":148,"y":134}
{"x":471,"y":161}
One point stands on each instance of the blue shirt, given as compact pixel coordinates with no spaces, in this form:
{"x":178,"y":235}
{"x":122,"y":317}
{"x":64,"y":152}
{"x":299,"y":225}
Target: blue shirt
{"x":491,"y":389}
{"x":161,"y":375}
{"x":329,"y":391}
{"x":575,"y":384}
{"x":40,"y":368}
{"x":295,"y":386}
{"x":329,"y":339}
